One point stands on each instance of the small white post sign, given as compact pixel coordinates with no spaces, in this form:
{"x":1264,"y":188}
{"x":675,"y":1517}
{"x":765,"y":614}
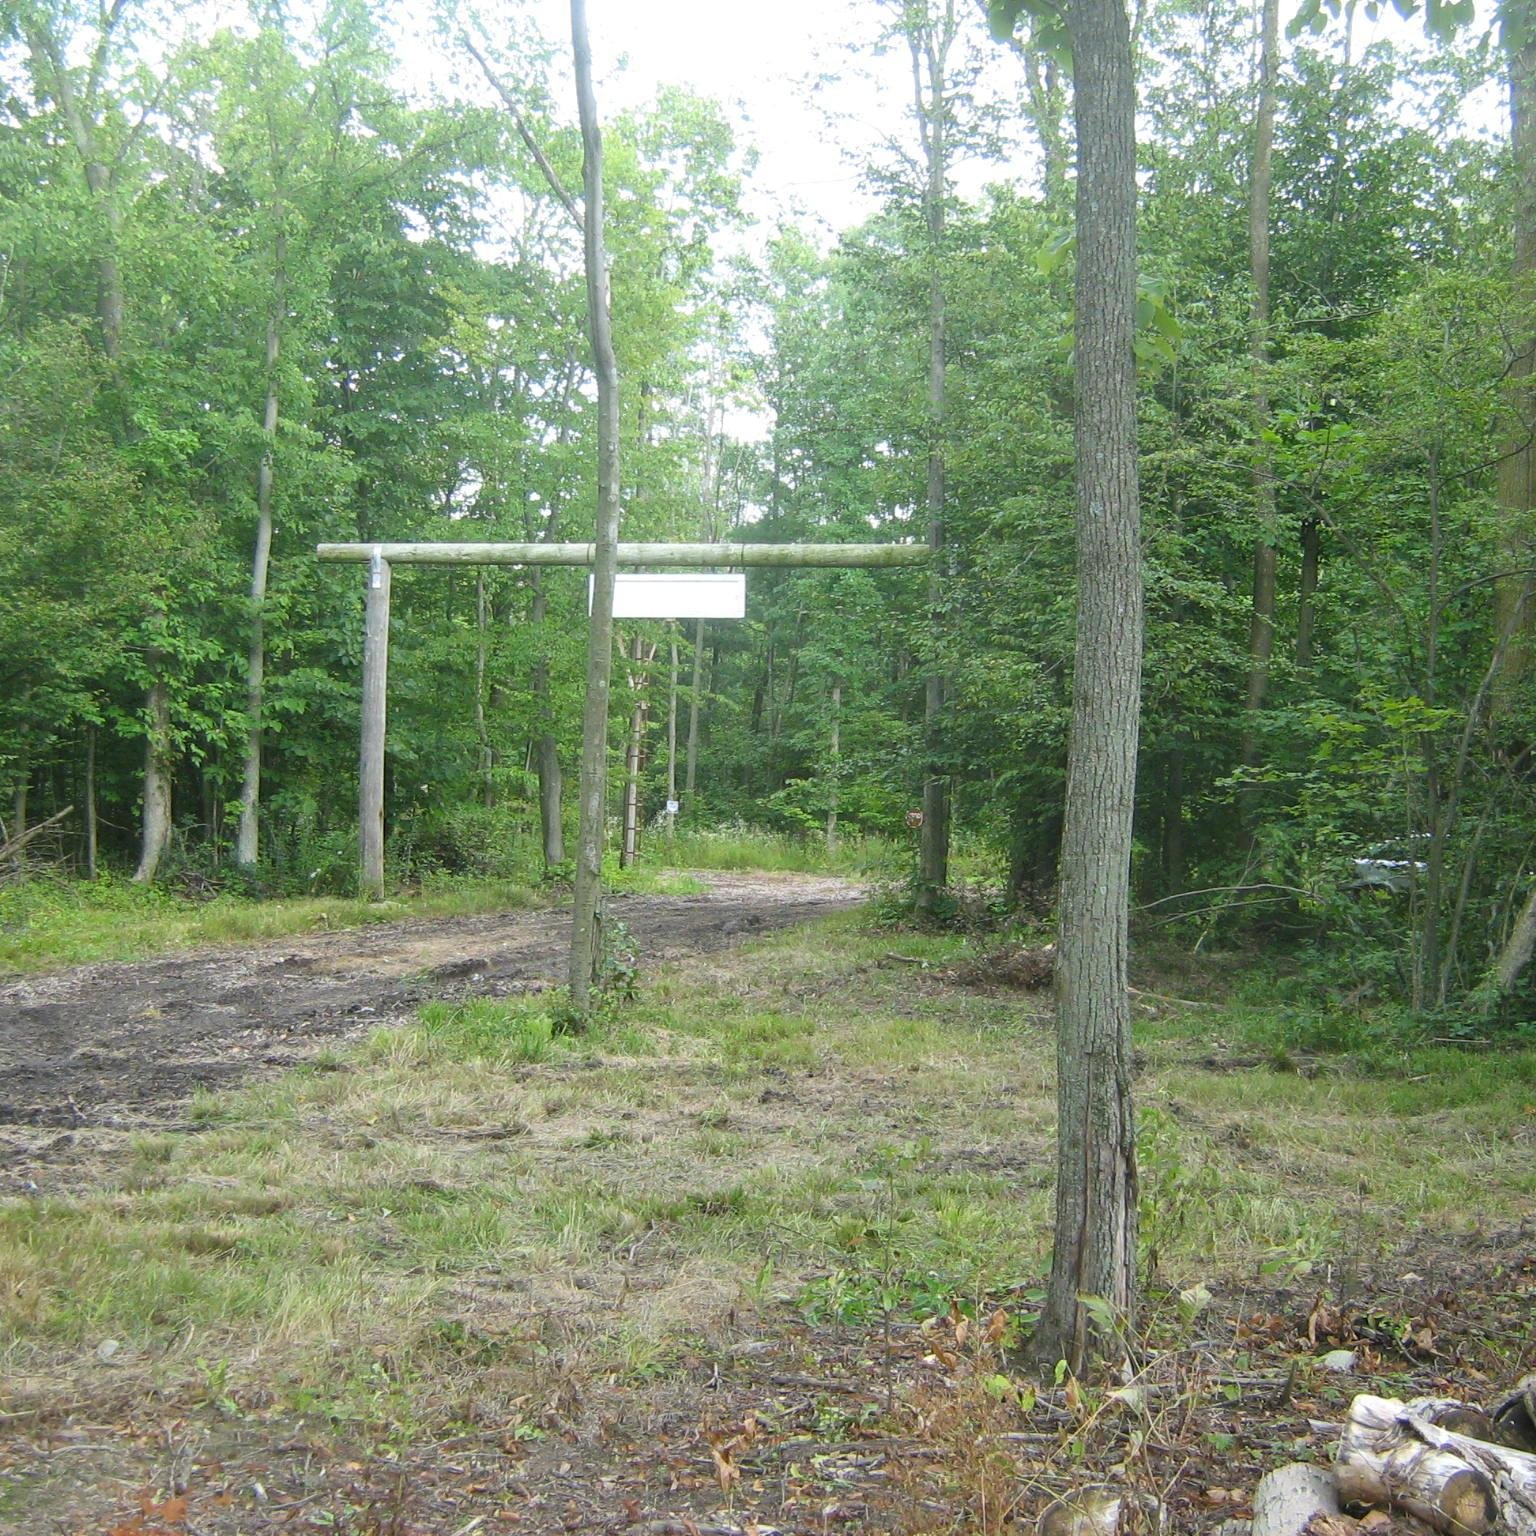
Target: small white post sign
{"x":677,"y":595}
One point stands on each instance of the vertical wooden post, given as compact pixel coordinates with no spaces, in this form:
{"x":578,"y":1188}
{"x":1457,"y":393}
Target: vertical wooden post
{"x":672,"y":737}
{"x":371,"y":766}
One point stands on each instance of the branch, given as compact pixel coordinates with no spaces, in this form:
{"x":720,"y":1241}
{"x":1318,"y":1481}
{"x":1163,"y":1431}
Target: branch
{"x":525,"y":133}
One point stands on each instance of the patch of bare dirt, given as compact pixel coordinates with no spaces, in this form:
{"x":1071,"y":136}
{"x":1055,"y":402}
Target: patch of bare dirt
{"x":124,"y":1047}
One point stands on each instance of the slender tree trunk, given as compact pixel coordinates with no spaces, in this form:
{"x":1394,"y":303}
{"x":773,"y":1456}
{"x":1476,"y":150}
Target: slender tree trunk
{"x":690,"y":775}
{"x":1173,"y":822}
{"x":930,"y":54}
{"x":1094,"y":1253}
{"x":834,"y":766}
{"x":19,"y":812}
{"x":546,"y":750}
{"x":1261,"y":636}
{"x":1306,"y":596}
{"x":158,"y":765}
{"x":1512,"y":603}
{"x":630,"y":847}
{"x":247,"y":837}
{"x":586,"y":939}
{"x":90,"y":802}
{"x":1047,"y":105}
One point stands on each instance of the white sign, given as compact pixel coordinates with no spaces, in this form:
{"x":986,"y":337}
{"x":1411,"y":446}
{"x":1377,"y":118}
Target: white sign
{"x":677,"y":595}
{"x":672,"y":807}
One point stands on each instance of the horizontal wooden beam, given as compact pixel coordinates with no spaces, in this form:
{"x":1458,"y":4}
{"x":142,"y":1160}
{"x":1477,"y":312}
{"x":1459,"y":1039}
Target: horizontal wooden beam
{"x":661,"y":556}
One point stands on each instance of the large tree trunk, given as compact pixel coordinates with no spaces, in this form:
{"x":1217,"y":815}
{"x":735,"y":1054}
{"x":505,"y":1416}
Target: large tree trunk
{"x":247,"y":838}
{"x":1512,"y":604}
{"x":586,"y":940}
{"x":158,"y":767}
{"x":1094,"y":1254}
{"x":1261,"y":635}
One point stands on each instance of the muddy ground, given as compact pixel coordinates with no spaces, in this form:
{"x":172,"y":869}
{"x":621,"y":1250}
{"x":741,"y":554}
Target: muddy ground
{"x":90,"y":1053}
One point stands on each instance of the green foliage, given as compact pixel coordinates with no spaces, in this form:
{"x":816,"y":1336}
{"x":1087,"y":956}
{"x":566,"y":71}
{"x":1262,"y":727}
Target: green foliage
{"x":428,"y":374}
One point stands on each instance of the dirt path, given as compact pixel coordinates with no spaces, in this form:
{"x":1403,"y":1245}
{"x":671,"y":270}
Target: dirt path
{"x":122,"y":1047}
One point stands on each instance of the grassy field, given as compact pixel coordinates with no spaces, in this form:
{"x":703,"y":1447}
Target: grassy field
{"x":452,"y":1225}
{"x":46,"y":925}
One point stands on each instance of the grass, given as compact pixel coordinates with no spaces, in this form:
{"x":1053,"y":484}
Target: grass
{"x":749,"y":848}
{"x":45,"y":925}
{"x":801,"y":1128}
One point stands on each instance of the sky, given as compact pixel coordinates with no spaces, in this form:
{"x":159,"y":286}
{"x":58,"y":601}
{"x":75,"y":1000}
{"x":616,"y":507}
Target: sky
{"x":813,"y":101}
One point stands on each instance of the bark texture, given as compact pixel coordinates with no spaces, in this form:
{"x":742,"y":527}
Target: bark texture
{"x":1094,"y":1252}
{"x":1261,"y":636}
{"x":930,"y":42}
{"x":158,"y":766}
{"x":1512,"y":605}
{"x":247,"y":838}
{"x":586,"y":939}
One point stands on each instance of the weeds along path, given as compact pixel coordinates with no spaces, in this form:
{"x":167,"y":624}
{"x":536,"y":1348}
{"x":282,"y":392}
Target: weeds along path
{"x":118,"y":1047}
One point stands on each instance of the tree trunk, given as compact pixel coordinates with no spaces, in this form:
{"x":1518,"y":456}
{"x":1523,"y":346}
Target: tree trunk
{"x":1517,"y":468}
{"x":930,"y":54}
{"x":158,"y":765}
{"x":586,"y":940}
{"x":691,"y":772}
{"x":1306,"y":596}
{"x":546,"y":751}
{"x":1047,"y":105}
{"x":630,"y":847}
{"x":1094,"y":1254}
{"x":1173,"y":821}
{"x":247,"y":837}
{"x":1261,"y":635}
{"x":90,"y":802}
{"x":834,"y":766}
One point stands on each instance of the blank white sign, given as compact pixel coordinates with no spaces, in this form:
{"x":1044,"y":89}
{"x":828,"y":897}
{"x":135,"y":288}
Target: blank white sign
{"x":677,"y":595}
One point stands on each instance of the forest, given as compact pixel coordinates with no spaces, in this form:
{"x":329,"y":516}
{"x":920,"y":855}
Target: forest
{"x":613,"y":1088}
{"x":259,"y":290}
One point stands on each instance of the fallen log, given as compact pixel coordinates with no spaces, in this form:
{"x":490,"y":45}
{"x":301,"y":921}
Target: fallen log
{"x":1287,"y":1498}
{"x":1394,"y":1455}
{"x":9,"y":850}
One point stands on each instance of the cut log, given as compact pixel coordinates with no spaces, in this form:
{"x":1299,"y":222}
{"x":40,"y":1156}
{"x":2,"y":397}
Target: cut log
{"x":1394,"y":1455}
{"x":1100,"y":1512}
{"x":1287,"y":1499}
{"x":1516,"y":1415}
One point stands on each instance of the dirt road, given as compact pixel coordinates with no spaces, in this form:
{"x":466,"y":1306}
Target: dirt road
{"x":121,"y":1047}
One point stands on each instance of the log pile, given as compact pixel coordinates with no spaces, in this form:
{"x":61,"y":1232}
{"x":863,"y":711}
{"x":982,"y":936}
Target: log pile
{"x":1429,"y":1467}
